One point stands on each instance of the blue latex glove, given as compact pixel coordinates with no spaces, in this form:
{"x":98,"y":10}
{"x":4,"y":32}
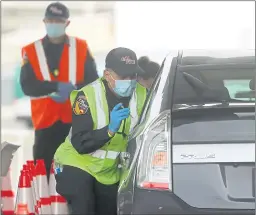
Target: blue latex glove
{"x":116,"y":116}
{"x":57,"y":98}
{"x":63,"y":92}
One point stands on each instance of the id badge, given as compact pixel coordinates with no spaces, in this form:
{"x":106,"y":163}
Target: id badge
{"x":57,"y":168}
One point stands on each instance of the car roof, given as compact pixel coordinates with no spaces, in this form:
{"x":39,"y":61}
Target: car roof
{"x":197,"y":57}
{"x":191,"y":61}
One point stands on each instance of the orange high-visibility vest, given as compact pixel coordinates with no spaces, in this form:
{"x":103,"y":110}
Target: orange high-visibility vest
{"x":45,"y":111}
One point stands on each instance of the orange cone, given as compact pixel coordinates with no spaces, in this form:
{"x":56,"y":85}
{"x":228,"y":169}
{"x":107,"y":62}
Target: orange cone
{"x":22,"y":209}
{"x":32,"y":169}
{"x":26,"y":168}
{"x":58,"y":203}
{"x":41,"y":180}
{"x":24,"y":195}
{"x":7,"y":195}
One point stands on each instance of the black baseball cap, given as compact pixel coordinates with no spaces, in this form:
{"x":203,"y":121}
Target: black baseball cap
{"x":123,"y":62}
{"x":57,"y":11}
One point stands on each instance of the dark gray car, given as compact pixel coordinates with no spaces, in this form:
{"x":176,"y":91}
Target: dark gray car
{"x":193,"y":150}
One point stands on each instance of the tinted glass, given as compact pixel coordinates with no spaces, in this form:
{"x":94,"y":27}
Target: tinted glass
{"x":199,"y":84}
{"x":216,"y":127}
{"x":240,"y":89}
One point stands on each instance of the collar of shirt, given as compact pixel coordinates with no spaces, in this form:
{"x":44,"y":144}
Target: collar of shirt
{"x":46,"y":41}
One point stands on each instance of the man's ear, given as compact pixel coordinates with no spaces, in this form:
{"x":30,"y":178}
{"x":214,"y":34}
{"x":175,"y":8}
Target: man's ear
{"x":106,"y":74}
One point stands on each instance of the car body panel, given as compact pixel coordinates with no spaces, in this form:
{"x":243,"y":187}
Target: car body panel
{"x":206,"y":179}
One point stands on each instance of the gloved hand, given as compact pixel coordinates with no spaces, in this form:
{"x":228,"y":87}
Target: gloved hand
{"x":63,"y":92}
{"x":116,"y":117}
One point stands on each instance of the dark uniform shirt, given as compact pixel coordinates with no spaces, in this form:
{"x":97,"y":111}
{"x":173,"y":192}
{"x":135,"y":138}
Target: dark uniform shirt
{"x":31,"y":86}
{"x":84,"y":139}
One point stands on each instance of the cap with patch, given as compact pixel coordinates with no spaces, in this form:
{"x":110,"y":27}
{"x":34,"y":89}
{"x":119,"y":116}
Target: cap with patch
{"x":57,"y":11}
{"x":123,"y":62}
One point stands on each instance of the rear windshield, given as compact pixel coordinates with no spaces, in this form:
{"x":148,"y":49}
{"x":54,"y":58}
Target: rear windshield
{"x":217,"y":127}
{"x":222,"y":83}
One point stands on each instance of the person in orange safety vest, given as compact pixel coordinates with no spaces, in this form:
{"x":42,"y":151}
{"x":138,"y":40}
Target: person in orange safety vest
{"x":52,"y":67}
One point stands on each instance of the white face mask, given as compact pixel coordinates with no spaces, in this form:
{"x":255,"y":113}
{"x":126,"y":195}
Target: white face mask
{"x":55,"y":29}
{"x":124,"y":88}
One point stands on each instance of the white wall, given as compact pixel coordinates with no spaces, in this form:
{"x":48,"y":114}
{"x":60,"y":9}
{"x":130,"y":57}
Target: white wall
{"x":186,"y":25}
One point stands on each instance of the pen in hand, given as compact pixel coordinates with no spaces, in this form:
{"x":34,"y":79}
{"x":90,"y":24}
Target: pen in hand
{"x":130,"y":113}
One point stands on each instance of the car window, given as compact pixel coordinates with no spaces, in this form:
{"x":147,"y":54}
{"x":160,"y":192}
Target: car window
{"x":197,"y":85}
{"x":239,"y":89}
{"x":217,"y":126}
{"x":215,"y":82}
{"x":161,"y":80}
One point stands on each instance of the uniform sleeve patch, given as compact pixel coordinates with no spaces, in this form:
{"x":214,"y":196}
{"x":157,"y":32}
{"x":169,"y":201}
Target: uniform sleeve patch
{"x":80,"y":106}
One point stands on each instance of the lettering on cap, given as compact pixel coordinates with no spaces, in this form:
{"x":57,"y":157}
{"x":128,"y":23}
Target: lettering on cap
{"x":55,"y":10}
{"x":127,"y":60}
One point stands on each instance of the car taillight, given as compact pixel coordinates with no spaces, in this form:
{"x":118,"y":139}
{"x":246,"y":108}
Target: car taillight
{"x":154,"y":168}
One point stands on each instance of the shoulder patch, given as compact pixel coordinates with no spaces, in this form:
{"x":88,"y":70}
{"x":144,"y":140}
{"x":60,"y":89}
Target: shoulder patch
{"x":80,"y":106}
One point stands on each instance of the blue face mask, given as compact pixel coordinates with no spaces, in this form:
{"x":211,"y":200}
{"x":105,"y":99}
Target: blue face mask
{"x":124,"y":88}
{"x":55,"y":29}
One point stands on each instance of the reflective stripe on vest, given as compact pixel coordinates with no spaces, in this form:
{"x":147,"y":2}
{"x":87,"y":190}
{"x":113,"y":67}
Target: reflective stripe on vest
{"x":102,"y":154}
{"x":44,"y":66}
{"x":101,"y":117}
{"x":133,"y":110}
{"x":97,"y":86}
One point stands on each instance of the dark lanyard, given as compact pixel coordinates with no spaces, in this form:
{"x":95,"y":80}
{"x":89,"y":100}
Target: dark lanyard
{"x":123,"y":130}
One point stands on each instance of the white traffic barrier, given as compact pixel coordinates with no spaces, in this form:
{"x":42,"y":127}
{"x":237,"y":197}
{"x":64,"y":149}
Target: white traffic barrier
{"x":24,"y":139}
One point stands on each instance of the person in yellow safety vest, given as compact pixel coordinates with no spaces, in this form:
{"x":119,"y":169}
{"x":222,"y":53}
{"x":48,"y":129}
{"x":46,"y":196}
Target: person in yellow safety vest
{"x":104,"y":113}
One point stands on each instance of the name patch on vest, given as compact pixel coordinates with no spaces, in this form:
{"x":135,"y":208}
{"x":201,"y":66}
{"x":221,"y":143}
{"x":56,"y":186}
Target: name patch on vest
{"x":80,"y":106}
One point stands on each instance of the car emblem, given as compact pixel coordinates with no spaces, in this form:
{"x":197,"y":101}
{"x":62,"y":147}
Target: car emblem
{"x":194,"y":156}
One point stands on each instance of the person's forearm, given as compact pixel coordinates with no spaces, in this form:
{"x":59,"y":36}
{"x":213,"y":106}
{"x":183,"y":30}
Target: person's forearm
{"x":33,"y":87}
{"x":38,"y":88}
{"x":88,"y":142}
